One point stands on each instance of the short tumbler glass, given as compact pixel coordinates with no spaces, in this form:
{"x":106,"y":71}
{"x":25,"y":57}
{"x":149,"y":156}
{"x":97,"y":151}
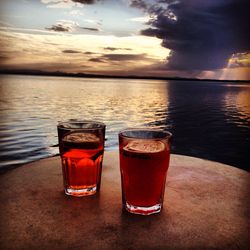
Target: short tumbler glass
{"x":144,"y":161}
{"x":81,"y":146}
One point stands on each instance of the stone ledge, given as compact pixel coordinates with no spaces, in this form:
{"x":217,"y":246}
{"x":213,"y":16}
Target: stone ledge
{"x":206,"y":206}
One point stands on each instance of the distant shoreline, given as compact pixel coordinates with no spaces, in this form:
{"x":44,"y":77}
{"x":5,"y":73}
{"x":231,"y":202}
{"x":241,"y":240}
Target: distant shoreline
{"x":59,"y":73}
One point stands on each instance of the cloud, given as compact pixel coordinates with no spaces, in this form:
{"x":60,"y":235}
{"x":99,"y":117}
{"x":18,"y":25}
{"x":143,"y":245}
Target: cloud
{"x":84,"y":1}
{"x":141,"y":19}
{"x":113,"y":48}
{"x":90,"y":29}
{"x":64,"y":4}
{"x":46,"y":66}
{"x":67,"y":26}
{"x":70,"y":51}
{"x":89,"y":53}
{"x":45,"y":52}
{"x":124,"y":57}
{"x":120,"y":57}
{"x":139,"y":4}
{"x":110,"y":48}
{"x":63,"y":26}
{"x":202,"y":35}
{"x":59,"y":4}
{"x":96,"y":60}
{"x":94,"y":21}
{"x":24,"y":30}
{"x":3,"y":58}
{"x":59,"y":28}
{"x":239,"y":60}
{"x":75,"y":13}
{"x":5,"y":24}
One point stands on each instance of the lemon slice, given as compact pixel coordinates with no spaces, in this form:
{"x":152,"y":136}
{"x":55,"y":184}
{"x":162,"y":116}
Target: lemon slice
{"x":87,"y":140}
{"x":145,"y":146}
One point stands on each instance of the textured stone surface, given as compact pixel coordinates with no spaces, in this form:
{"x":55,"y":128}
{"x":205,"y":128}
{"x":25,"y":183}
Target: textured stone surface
{"x":206,"y":207}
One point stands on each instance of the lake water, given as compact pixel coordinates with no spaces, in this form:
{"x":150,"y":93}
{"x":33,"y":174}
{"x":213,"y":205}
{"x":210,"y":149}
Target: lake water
{"x":209,"y":120}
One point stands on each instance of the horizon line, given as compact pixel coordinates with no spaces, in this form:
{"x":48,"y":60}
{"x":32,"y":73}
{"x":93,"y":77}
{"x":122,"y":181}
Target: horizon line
{"x":67,"y":74}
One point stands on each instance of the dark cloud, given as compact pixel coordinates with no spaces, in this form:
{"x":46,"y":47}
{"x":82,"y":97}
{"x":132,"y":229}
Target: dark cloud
{"x":202,"y":35}
{"x":89,"y":53}
{"x":110,"y":48}
{"x":96,"y":60}
{"x":51,"y":43}
{"x":84,"y":1}
{"x":59,"y":27}
{"x":113,"y":48}
{"x":90,"y":29}
{"x":139,"y":4}
{"x":124,"y":57}
{"x":70,"y":51}
{"x":3,"y":58}
{"x":118,"y":57}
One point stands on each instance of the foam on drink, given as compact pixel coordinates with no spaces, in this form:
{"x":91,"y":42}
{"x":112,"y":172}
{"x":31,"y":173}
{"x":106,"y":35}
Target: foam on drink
{"x":145,"y":146}
{"x":86,"y":140}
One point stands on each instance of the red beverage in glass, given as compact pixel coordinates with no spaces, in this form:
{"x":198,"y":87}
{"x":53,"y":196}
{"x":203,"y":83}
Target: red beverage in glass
{"x":81,"y":153}
{"x":143,"y":164}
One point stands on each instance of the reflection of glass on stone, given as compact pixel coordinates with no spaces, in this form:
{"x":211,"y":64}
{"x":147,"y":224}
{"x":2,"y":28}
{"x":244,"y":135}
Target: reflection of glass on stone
{"x":81,"y":145}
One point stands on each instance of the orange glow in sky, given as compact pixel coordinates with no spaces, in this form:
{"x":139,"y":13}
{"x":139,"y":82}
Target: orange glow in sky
{"x":70,"y":36}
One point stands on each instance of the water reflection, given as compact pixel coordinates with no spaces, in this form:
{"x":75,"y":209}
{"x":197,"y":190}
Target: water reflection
{"x":31,"y":107}
{"x":237,"y":106}
{"x":208,"y":119}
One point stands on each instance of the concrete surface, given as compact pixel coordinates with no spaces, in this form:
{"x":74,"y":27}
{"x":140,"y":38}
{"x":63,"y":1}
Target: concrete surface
{"x":206,"y":207}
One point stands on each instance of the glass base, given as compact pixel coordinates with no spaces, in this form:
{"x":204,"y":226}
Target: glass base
{"x":80,"y":192}
{"x":143,"y":210}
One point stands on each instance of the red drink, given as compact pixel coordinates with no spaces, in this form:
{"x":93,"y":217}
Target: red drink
{"x":143,"y":164}
{"x":81,"y":154}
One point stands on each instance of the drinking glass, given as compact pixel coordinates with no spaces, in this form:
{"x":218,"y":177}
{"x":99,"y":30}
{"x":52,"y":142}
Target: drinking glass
{"x":81,"y":146}
{"x":144,"y":161}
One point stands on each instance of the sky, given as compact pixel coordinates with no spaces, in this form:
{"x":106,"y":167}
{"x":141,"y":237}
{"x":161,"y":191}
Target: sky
{"x":166,"y":38}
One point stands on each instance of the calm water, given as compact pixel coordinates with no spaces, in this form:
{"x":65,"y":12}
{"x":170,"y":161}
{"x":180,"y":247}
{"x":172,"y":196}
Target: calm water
{"x":208,"y":119}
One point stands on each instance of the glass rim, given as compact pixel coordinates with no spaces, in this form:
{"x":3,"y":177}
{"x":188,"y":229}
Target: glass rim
{"x":167,"y":134}
{"x":79,"y":121}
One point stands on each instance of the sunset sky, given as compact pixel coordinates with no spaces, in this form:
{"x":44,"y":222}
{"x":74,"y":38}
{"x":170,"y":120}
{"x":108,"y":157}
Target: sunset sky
{"x":188,"y":38}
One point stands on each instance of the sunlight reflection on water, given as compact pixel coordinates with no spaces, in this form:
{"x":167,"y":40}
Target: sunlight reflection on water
{"x":31,"y":106}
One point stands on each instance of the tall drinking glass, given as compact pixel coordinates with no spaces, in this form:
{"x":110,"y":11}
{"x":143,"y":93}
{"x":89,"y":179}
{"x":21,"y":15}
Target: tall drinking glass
{"x":144,"y":161}
{"x":81,"y":146}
